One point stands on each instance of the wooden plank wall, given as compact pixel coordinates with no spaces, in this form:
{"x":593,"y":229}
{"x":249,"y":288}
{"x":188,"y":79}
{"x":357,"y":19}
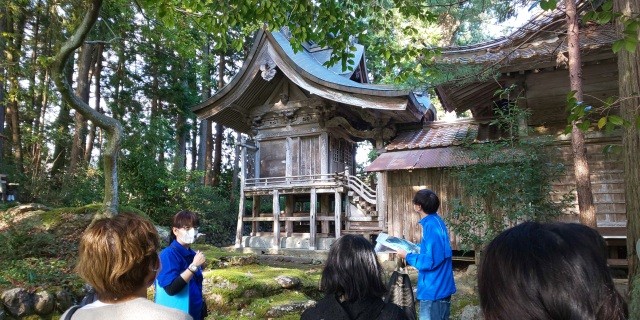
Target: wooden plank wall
{"x":546,"y":90}
{"x":272,"y":158}
{"x":607,"y":183}
{"x":402,"y":186}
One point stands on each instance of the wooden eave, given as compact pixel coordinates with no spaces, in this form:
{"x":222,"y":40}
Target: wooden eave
{"x":539,"y":44}
{"x":595,"y":42}
{"x":229,"y":106}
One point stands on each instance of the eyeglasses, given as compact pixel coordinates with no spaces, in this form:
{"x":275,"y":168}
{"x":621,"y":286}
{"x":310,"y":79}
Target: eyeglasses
{"x":190,"y":228}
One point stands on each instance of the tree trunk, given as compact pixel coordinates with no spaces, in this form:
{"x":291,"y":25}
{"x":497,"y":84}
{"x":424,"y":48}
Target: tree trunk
{"x":208,"y":158}
{"x":217,"y":156}
{"x":112,"y":128}
{"x":82,"y":91}
{"x":61,"y":125}
{"x":206,"y":94}
{"x":580,"y":164}
{"x":194,"y":144}
{"x":181,"y":143}
{"x":628,"y":73}
{"x":3,"y":28}
{"x":97,"y":73}
{"x":235,"y":180}
{"x":15,"y":29}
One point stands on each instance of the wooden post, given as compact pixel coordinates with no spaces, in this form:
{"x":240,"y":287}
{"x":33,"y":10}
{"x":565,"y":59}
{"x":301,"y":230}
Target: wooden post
{"x":312,"y":220}
{"x":381,"y":200}
{"x":255,"y":212}
{"x":256,"y":167}
{"x":240,"y":225}
{"x":324,"y":211}
{"x":276,"y":219}
{"x":288,"y":211}
{"x":347,"y":209}
{"x":243,"y":175}
{"x":324,"y":153}
{"x":338,"y":213}
{"x":288,"y":163}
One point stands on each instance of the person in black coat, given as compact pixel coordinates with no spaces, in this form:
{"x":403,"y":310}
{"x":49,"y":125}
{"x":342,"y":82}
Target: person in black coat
{"x":353,"y":285}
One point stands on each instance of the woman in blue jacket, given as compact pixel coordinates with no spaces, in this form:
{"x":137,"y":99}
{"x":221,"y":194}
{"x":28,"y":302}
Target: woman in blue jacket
{"x":181,"y":267}
{"x":434,"y":264}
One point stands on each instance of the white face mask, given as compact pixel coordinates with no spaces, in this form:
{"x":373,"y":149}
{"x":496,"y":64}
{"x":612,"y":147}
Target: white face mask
{"x":188,"y":236}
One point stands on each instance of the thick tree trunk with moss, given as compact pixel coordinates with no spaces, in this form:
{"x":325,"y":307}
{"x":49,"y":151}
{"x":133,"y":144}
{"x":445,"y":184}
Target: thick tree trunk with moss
{"x":628,"y":73}
{"x":580,"y":164}
{"x":111,"y":127}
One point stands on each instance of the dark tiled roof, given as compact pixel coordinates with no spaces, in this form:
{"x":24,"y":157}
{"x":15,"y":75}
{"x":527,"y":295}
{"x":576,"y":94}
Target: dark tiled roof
{"x":442,"y":134}
{"x":593,"y":37}
{"x":542,"y":35}
{"x":438,"y":145}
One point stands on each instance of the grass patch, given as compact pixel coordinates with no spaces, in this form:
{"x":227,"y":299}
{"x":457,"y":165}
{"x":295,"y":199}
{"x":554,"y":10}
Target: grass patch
{"x":38,"y":273}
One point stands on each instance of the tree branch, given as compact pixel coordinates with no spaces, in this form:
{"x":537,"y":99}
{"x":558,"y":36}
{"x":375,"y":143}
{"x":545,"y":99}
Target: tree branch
{"x":111,"y":126}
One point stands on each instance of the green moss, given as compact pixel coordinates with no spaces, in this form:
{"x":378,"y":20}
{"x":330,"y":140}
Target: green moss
{"x":262,"y":305}
{"x":460,"y":301}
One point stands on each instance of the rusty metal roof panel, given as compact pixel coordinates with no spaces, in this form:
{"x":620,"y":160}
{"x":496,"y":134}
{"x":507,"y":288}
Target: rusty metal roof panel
{"x":421,"y":159}
{"x":395,"y":161}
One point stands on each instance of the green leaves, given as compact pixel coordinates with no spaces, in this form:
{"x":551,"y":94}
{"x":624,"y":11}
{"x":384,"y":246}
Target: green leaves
{"x":548,"y":5}
{"x":631,"y":25}
{"x":511,"y":181}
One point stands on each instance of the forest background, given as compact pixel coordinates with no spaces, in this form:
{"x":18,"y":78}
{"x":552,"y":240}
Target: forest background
{"x":146,"y":68}
{"x":145,"y":63}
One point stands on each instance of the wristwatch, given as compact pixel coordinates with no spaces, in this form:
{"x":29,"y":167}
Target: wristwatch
{"x":193,"y":268}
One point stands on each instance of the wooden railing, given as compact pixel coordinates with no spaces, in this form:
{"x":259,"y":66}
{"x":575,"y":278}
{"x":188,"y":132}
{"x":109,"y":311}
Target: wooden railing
{"x":360,"y":188}
{"x":314,"y":180}
{"x":331,"y":179}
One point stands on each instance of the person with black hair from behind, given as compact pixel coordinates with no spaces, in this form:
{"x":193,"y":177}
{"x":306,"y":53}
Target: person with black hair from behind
{"x":434,"y":262}
{"x":548,"y":271}
{"x":353,"y":285}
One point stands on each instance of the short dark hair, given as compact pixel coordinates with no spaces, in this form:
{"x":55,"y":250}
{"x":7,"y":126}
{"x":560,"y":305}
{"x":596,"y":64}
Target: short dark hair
{"x":427,"y":200}
{"x":548,"y":271}
{"x":352,"y":270}
{"x":183,"y":219}
{"x":116,"y":255}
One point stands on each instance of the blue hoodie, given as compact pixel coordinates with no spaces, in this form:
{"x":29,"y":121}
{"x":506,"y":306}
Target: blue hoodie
{"x":435,"y":271}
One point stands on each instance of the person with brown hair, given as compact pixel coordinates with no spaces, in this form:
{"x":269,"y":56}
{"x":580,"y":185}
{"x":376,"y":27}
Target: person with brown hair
{"x":179,"y":282}
{"x":548,"y":271}
{"x":118,"y":258}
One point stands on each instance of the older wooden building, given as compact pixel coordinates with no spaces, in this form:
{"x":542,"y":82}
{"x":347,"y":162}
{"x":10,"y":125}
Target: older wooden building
{"x":534,"y":60}
{"x":304,"y":120}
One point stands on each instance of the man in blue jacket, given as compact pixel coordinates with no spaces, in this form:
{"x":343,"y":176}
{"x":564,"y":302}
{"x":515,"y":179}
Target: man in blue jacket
{"x":435,"y":271}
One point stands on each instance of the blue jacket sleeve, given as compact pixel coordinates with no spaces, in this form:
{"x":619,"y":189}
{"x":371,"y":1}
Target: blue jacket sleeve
{"x":170,"y":267}
{"x":431,"y":255}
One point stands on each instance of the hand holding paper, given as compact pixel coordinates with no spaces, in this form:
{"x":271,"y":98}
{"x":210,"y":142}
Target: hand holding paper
{"x":387,"y":243}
